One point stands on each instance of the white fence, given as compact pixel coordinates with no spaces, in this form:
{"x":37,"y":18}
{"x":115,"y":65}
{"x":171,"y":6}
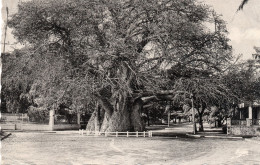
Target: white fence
{"x":117,"y":134}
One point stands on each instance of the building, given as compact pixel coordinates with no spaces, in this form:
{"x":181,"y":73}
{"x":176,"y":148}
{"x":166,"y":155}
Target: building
{"x":246,"y":120}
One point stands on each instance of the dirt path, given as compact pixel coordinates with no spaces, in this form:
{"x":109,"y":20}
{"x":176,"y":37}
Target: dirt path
{"x":42,"y":148}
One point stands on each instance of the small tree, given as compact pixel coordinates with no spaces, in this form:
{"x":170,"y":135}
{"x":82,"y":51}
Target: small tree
{"x":206,"y":93}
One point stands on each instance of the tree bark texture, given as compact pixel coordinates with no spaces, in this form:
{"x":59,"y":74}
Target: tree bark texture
{"x":125,"y":116}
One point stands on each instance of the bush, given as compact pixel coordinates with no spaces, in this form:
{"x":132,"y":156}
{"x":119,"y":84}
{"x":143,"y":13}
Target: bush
{"x":36,"y":114}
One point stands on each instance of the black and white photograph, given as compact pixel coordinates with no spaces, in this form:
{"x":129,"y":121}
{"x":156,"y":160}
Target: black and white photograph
{"x":130,"y":82}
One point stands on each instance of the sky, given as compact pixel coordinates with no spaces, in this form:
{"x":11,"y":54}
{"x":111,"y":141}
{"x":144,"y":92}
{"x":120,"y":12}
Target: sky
{"x":243,"y":26}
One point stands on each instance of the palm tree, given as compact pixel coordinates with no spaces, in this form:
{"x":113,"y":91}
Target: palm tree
{"x":241,"y":6}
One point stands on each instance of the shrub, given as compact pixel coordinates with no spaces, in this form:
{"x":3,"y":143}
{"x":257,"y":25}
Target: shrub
{"x":38,"y":114}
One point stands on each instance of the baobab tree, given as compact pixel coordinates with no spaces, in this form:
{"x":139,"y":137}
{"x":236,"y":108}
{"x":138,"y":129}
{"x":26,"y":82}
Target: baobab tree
{"x":117,"y":52}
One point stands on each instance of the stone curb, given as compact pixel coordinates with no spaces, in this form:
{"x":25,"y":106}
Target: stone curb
{"x":195,"y":136}
{"x":225,"y":137}
{"x":63,"y":132}
{"x":217,"y":137}
{"x":52,"y":132}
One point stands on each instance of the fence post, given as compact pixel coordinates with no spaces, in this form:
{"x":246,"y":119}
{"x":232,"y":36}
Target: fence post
{"x":105,"y":134}
{"x":116,"y":133}
{"x":136,"y":133}
{"x":151,"y":134}
{"x":144,"y":133}
{"x":127,"y":134}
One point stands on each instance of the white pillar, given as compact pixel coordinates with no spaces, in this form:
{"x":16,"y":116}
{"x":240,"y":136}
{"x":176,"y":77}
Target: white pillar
{"x":78,"y":118}
{"x":51,"y":120}
{"x":228,"y":121}
{"x":250,"y":112}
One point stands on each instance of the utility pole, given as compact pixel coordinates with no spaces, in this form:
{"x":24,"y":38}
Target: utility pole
{"x":5,"y":28}
{"x":193,"y":114}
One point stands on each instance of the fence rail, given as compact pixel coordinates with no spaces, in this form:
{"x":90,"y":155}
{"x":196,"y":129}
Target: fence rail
{"x":117,"y":134}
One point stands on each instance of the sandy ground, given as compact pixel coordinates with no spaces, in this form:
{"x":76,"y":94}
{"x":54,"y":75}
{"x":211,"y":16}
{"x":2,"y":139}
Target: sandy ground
{"x":70,"y":149}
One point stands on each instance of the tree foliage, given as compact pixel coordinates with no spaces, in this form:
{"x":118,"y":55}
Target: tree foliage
{"x":243,"y":80}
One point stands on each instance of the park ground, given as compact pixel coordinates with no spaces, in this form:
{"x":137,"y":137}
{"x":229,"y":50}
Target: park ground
{"x":71,"y":148}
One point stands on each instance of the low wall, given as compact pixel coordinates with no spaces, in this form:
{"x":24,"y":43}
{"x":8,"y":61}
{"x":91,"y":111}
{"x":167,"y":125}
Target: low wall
{"x":35,"y":127}
{"x":66,"y":127}
{"x":8,"y":126}
{"x":244,"y":130}
{"x":39,"y":127}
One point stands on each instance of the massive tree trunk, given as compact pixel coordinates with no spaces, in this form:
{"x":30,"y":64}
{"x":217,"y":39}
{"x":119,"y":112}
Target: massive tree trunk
{"x":137,"y":124}
{"x":122,"y":111}
{"x":124,"y":115}
{"x":91,"y":122}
